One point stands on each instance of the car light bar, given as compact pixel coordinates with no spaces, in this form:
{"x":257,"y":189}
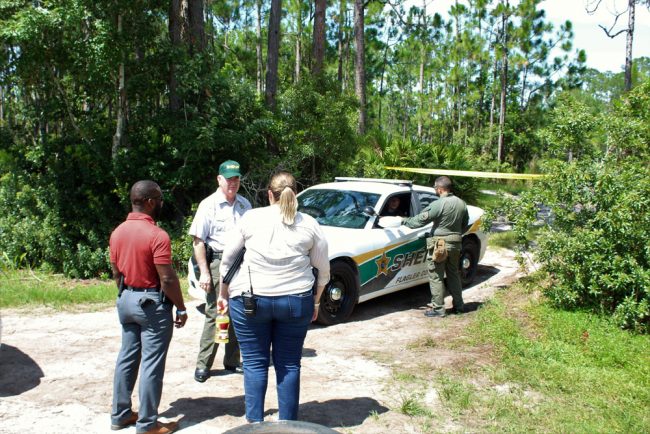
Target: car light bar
{"x":384,"y":181}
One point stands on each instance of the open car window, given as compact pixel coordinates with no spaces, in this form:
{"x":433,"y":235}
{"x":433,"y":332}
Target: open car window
{"x":339,"y":208}
{"x":398,"y":205}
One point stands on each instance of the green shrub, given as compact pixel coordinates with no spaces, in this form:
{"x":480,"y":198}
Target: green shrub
{"x":380,"y":151}
{"x":594,"y":242}
{"x":316,"y":131}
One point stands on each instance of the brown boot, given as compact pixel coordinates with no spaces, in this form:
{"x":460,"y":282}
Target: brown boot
{"x":161,"y":428}
{"x":126,"y":422}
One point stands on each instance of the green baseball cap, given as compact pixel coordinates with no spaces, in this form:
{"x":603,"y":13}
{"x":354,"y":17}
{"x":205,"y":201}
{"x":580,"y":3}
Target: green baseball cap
{"x":229,"y":169}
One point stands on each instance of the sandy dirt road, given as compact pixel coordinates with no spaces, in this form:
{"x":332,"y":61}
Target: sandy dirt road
{"x":56,"y":368}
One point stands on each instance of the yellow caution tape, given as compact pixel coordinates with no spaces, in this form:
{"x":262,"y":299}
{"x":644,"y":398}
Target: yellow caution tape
{"x":468,"y":173}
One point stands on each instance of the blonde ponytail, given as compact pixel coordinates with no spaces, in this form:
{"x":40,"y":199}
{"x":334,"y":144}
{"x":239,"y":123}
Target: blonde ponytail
{"x":283,"y":188}
{"x":288,"y":206}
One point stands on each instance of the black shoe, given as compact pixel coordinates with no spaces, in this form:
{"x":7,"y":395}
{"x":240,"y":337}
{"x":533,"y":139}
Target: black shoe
{"x":234,"y":369}
{"x":434,"y":313}
{"x":201,"y":375}
{"x":457,"y":311}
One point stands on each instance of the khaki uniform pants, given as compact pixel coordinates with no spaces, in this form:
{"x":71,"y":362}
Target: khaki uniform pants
{"x":207,"y":346}
{"x":437,"y":271}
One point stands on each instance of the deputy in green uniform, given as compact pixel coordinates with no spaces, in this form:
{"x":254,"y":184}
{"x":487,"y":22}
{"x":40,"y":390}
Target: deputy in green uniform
{"x":450,"y":221}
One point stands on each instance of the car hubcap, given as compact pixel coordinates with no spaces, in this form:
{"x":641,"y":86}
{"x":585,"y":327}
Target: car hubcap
{"x":336,"y":293}
{"x":466,"y":263}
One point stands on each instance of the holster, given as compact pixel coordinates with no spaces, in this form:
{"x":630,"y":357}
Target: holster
{"x":209,"y":254}
{"x":437,"y":249}
{"x":120,"y":286}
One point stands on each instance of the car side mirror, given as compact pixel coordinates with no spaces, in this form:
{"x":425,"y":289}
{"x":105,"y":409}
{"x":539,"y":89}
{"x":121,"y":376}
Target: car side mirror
{"x":390,"y":222}
{"x":370,"y":211}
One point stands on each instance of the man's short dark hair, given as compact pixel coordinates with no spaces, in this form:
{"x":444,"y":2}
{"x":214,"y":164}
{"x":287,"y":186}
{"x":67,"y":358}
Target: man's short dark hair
{"x":143,"y":190}
{"x":443,"y":182}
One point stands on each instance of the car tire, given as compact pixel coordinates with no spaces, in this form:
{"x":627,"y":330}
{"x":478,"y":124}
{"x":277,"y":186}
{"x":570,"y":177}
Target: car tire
{"x":468,"y":264}
{"x":340,"y":295}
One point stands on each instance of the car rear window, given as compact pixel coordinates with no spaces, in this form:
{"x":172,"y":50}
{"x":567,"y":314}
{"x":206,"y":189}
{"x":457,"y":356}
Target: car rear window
{"x":339,"y":208}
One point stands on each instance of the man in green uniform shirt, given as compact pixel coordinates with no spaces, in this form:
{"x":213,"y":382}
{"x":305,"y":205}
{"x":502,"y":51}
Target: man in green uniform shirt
{"x":450,"y":221}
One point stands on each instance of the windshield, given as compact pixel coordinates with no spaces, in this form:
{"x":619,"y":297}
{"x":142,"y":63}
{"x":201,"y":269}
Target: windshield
{"x":343,"y":209}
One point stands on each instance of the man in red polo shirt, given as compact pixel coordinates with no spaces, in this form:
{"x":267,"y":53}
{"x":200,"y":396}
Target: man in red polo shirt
{"x":141,"y":259}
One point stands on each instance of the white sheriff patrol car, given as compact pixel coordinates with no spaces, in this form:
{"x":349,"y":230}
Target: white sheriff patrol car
{"x":368,"y":261}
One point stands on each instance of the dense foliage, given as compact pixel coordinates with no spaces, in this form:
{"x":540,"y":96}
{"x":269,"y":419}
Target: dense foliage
{"x":594,"y":237}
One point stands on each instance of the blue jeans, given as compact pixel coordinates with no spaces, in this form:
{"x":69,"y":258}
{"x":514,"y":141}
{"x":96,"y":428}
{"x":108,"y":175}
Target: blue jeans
{"x":280,"y":323}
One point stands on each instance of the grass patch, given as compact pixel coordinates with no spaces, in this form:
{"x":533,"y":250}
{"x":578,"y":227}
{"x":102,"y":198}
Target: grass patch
{"x":571,"y":371}
{"x":28,"y":288}
{"x":22,"y":288}
{"x":513,"y":186}
{"x":499,"y":191}
{"x":406,"y":377}
{"x":411,"y":405}
{"x":455,"y":392}
{"x":506,"y":240}
{"x":487,"y":201}
{"x":549,"y":370}
{"x":424,"y":342}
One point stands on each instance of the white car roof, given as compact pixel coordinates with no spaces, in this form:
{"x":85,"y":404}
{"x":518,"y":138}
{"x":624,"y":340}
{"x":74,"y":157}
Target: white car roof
{"x":369,"y":185}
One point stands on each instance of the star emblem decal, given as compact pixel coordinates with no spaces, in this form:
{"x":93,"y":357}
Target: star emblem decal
{"x":382,"y":264}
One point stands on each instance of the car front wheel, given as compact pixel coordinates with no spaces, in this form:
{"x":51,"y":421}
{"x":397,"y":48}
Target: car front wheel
{"x":340,"y":295}
{"x":468,"y":261}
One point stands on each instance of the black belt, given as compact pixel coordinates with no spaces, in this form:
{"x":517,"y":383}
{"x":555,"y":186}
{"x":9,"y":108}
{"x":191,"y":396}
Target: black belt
{"x":133,"y":288}
{"x":211,"y":254}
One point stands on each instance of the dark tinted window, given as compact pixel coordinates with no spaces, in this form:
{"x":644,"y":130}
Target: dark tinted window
{"x":425,"y":199}
{"x":338,"y":208}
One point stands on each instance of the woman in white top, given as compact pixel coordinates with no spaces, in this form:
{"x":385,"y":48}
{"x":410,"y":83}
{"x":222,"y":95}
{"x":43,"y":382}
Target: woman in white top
{"x":283,"y":247}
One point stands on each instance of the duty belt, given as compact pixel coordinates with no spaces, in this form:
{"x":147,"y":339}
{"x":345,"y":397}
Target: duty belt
{"x":211,"y":254}
{"x":135,"y":289}
{"x":450,"y":237}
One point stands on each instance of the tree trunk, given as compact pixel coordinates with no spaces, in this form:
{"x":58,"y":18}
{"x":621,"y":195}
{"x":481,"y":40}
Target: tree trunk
{"x":118,"y":138}
{"x":2,"y":104}
{"x":504,"y":86}
{"x":628,"y":49}
{"x":298,"y":42}
{"x":381,"y":82}
{"x":209,"y":18}
{"x":359,"y":65}
{"x":423,"y":59}
{"x":522,"y":99}
{"x":258,"y":46}
{"x":488,"y":144}
{"x":273,"y":51}
{"x":421,"y":96}
{"x":459,"y":65}
{"x":342,"y":13}
{"x":404,"y":116}
{"x":346,"y":54}
{"x":196,"y":25}
{"x":319,"y":36}
{"x":175,"y":37}
{"x":192,"y":30}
